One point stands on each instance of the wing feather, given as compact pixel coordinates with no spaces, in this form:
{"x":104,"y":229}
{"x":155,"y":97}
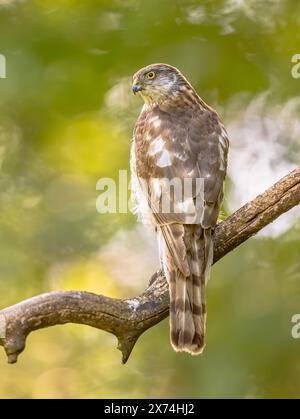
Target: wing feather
{"x":189,"y":144}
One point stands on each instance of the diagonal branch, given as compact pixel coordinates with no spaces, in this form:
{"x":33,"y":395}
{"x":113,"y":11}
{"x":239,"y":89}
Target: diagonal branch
{"x":128,"y":319}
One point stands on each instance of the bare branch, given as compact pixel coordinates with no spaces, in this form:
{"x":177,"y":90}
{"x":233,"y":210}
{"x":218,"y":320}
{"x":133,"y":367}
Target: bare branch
{"x":128,"y":319}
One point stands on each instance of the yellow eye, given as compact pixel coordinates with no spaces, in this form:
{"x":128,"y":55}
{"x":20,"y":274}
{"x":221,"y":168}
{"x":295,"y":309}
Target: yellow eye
{"x":151,"y":75}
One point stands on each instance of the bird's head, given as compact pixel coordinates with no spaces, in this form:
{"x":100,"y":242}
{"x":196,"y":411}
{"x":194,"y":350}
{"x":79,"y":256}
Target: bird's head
{"x":158,"y":82}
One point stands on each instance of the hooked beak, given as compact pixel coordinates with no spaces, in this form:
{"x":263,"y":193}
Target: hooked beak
{"x":136,"y":88}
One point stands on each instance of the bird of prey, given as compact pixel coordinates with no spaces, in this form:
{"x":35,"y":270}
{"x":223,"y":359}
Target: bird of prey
{"x":178,"y":137}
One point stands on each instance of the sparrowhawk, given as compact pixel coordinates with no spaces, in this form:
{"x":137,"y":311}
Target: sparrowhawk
{"x":179,"y":137}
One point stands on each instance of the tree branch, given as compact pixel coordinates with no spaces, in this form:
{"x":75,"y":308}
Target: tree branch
{"x":128,"y":319}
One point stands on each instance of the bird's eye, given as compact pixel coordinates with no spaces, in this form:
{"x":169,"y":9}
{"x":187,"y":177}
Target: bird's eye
{"x":151,"y":75}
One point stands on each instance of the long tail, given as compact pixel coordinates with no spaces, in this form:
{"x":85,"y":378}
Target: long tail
{"x":192,"y":245}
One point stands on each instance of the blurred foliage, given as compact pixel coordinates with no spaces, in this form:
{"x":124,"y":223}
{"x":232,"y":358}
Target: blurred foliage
{"x":66,"y":119}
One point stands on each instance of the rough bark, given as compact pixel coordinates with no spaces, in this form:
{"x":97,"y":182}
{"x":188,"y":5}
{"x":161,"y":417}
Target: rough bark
{"x":128,"y":319}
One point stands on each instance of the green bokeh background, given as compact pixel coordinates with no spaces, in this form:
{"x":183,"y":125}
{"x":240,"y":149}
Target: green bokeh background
{"x":66,"y":118}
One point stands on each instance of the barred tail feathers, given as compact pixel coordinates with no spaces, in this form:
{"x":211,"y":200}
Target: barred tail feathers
{"x":187,"y":282}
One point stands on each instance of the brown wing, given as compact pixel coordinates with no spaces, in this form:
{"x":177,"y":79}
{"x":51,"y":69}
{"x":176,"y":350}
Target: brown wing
{"x":183,"y":144}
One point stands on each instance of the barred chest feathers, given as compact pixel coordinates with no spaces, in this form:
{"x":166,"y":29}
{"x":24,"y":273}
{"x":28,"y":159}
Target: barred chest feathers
{"x":149,"y":159}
